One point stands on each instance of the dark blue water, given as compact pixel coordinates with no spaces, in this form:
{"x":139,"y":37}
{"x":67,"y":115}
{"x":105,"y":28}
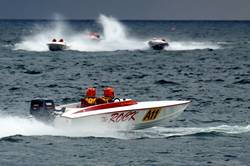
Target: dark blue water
{"x":207,"y":63}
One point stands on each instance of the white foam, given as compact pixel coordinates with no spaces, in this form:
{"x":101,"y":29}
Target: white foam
{"x":191,"y":45}
{"x":16,"y":125}
{"x":12,"y":125}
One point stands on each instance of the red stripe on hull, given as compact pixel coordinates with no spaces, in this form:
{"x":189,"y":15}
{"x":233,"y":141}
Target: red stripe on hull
{"x":107,"y":105}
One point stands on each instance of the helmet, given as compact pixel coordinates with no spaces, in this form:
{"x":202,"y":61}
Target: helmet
{"x":109,"y":92}
{"x":90,"y":92}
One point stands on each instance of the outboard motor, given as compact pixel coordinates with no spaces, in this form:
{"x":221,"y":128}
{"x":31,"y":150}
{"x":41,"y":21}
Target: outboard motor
{"x":42,"y":109}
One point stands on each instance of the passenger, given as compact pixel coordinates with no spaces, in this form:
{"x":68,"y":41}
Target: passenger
{"x":61,"y":40}
{"x":90,"y":98}
{"x":54,"y":40}
{"x":108,"y":96}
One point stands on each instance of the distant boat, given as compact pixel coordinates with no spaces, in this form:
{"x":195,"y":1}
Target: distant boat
{"x":57,"y":45}
{"x":94,"y":36}
{"x":158,"y":43}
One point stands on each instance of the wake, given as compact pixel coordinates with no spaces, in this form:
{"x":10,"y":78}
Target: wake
{"x":191,"y":45}
{"x":15,"y":125}
{"x":162,"y":132}
{"x":114,"y":36}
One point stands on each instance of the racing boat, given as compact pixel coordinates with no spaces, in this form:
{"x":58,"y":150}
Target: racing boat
{"x":57,"y":45}
{"x":94,"y":36}
{"x":120,"y":114}
{"x":158,"y":43}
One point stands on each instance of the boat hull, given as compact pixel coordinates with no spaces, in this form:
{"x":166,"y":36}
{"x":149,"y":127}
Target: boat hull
{"x":138,"y":116}
{"x":157,"y":45}
{"x":56,"y":46}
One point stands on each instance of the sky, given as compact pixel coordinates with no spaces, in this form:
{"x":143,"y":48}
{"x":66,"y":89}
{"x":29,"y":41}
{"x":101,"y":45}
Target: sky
{"x":127,"y":9}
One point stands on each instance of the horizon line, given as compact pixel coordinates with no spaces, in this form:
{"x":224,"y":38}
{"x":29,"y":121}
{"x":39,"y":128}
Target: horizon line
{"x":46,"y":19}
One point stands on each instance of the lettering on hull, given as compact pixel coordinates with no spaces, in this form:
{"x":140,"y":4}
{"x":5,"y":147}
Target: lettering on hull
{"x":123,"y":116}
{"x":151,"y":114}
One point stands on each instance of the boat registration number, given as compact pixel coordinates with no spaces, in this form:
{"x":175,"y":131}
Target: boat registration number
{"x":151,"y":114}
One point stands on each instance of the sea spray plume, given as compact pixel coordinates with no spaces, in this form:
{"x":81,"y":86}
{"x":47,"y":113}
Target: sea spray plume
{"x":42,"y":35}
{"x":113,"y":37}
{"x":113,"y":30}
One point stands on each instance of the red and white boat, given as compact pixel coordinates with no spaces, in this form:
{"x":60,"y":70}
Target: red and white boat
{"x":120,"y":114}
{"x":94,"y":36}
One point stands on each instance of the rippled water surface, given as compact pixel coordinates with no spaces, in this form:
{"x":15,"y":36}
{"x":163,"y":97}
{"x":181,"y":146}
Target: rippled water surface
{"x":207,"y":63}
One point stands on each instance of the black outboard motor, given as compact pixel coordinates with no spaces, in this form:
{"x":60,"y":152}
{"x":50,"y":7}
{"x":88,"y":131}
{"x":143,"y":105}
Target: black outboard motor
{"x":42,"y":109}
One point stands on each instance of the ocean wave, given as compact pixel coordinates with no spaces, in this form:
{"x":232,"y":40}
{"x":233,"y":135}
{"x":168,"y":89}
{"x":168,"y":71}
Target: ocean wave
{"x":163,"y":132}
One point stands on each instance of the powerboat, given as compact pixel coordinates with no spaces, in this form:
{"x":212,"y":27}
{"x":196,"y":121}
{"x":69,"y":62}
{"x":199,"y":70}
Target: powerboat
{"x":158,"y":43}
{"x":121,"y":114}
{"x":57,"y":45}
{"x":94,"y":36}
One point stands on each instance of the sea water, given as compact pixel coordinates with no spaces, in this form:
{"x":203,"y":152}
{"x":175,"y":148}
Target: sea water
{"x":207,"y":62}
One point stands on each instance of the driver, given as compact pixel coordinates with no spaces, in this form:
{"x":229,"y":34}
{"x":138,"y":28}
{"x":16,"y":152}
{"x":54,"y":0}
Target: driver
{"x":90,"y":98}
{"x":108,"y":96}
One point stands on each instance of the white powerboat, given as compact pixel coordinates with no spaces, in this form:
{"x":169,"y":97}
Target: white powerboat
{"x":120,"y":114}
{"x":158,"y":43}
{"x":57,"y":45}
